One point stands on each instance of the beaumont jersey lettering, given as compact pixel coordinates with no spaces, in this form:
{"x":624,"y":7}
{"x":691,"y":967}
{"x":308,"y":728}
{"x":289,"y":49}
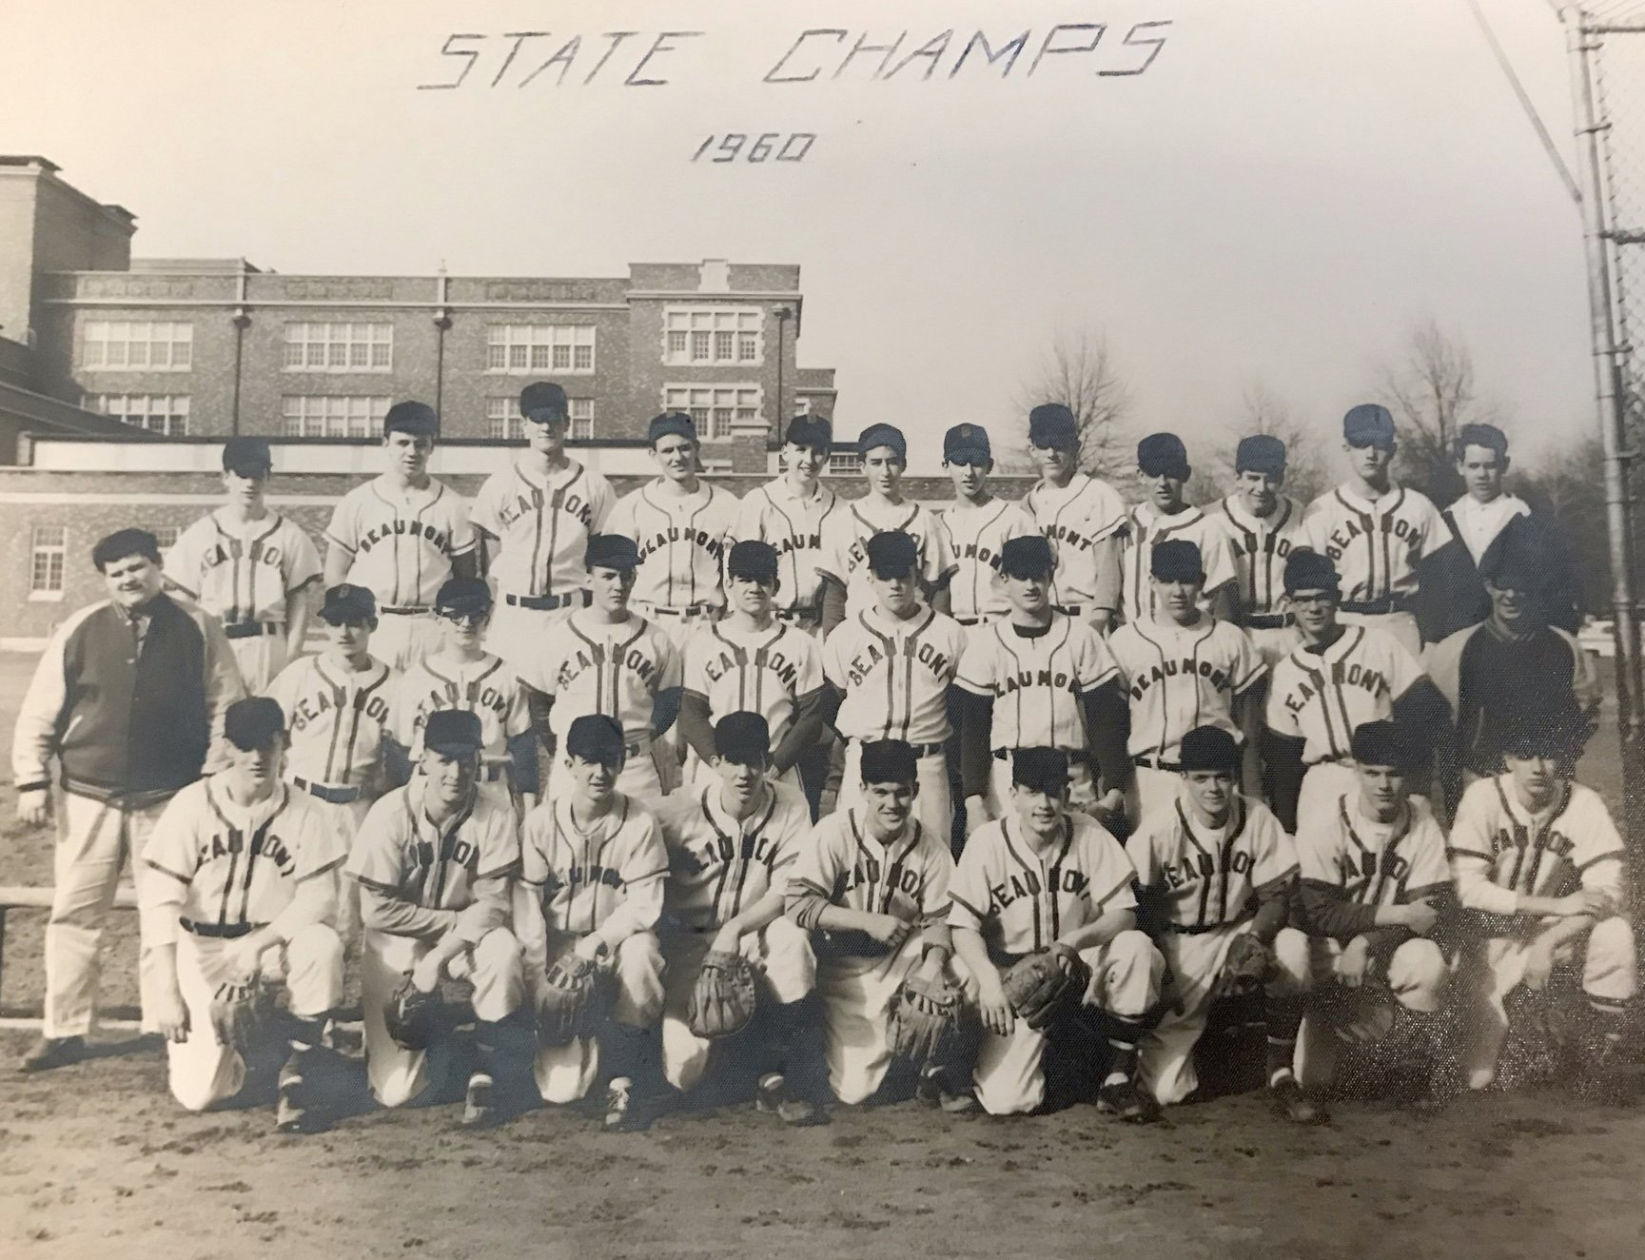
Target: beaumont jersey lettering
{"x":1071,"y":537}
{"x":1555,"y":842}
{"x":866,"y":873}
{"x":658,"y":539}
{"x":1246,"y":545}
{"x":1366,"y":679}
{"x":787,"y":543}
{"x":1354,"y":527}
{"x":592,"y":876}
{"x":256,"y":553}
{"x":451,"y":696}
{"x":1060,"y":679}
{"x":1027,"y":884}
{"x":862,"y":664}
{"x":440,"y":539}
{"x":235,"y":842}
{"x":1195,"y":868}
{"x":1172,"y":669}
{"x":571,"y":503}
{"x":450,"y":849}
{"x":720,"y":849}
{"x":726,"y":662}
{"x":311,"y":708}
{"x":595,"y":657}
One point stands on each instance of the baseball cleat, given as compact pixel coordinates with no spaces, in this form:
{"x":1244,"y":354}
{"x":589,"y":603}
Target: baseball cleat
{"x":53,"y":1052}
{"x":1129,"y":1101}
{"x":478,"y":1112}
{"x":622,"y":1115}
{"x":772,"y":1096}
{"x":932,"y":1090}
{"x":1294,"y":1105}
{"x":290,"y":1116}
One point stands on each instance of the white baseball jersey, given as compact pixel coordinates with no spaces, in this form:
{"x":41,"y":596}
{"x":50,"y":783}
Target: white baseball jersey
{"x":1260,"y":547}
{"x":402,"y":542}
{"x":1373,"y":863}
{"x":243,"y":572}
{"x":1320,"y":697}
{"x":719,"y":865}
{"x":1077,"y":517}
{"x":1180,"y":677}
{"x":1146,"y":527}
{"x":895,"y":674}
{"x":1021,"y":900}
{"x":907,"y":876}
{"x":1036,"y":681}
{"x":336,"y":719}
{"x":766,"y":672}
{"x":585,"y":876}
{"x":845,"y":546}
{"x":590,"y":665}
{"x":682,"y":542}
{"x":974,"y":536}
{"x":240,"y":864}
{"x":1499,"y":849}
{"x":485,"y":687}
{"x":792,"y":523}
{"x":1210,"y":876}
{"x":542,"y":526}
{"x":400,"y":852}
{"x":1375,"y":545}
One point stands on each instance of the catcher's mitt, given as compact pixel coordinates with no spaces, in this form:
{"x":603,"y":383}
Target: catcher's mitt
{"x":413,"y":1017}
{"x":243,"y":1015}
{"x":722,"y":1000}
{"x":566,"y":1001}
{"x":922,"y":1014}
{"x":1038,"y":985}
{"x":1248,"y":966}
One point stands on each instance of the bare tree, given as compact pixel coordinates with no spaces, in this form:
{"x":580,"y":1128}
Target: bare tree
{"x":1432,"y":391}
{"x":1078,"y":371}
{"x":1307,"y":470}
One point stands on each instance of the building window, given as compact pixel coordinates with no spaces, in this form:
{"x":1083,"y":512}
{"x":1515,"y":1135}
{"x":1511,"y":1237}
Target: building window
{"x":158,"y":413}
{"x":48,"y":552}
{"x":844,"y":463}
{"x":333,"y":415}
{"x":138,"y":345}
{"x":715,"y":409}
{"x":524,"y":348}
{"x":713,"y":334}
{"x":504,"y":422}
{"x":339,"y":347}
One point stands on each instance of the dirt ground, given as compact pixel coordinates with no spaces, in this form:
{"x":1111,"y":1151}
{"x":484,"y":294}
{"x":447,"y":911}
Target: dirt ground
{"x":97,"y":1160}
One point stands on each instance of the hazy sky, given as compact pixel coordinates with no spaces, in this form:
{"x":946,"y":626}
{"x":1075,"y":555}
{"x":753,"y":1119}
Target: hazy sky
{"x":1288,"y":187}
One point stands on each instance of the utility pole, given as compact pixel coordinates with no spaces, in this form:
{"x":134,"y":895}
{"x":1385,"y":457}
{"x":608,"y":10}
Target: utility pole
{"x":783,"y":314}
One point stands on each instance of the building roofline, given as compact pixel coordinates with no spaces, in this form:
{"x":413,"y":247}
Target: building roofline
{"x":16,"y":165}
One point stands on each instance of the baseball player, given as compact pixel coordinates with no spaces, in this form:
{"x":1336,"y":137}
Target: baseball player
{"x":1540,"y":866}
{"x":251,"y":567}
{"x":1337,"y":679}
{"x":1375,"y":532}
{"x":751,"y":662}
{"x":401,"y":535}
{"x":681,"y":523}
{"x":1374,"y":885}
{"x":791,"y":513}
{"x":1082,"y":516}
{"x":463,"y":675}
{"x":1215,"y":867}
{"x":889,"y":669}
{"x":591,"y":883}
{"x":1262,"y":527}
{"x":731,"y":848}
{"x":1037,"y":678}
{"x":975,"y":529}
{"x":122,"y":712}
{"x":1164,"y":516}
{"x":1182,"y":668}
{"x":533,"y":520}
{"x":434,"y":860}
{"x":242,"y":891}
{"x":847,"y":589}
{"x":871,"y":888}
{"x":606,"y":659}
{"x":1044,"y":878}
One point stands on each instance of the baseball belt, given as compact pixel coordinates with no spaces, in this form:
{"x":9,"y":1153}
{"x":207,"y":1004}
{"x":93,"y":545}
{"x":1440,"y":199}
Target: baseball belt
{"x":1375,"y":607}
{"x":1268,"y":621}
{"x":1155,"y":763}
{"x":252,"y":629}
{"x":335,"y":795}
{"x":798,"y":614}
{"x":495,"y":771}
{"x":921,"y":750}
{"x":1073,"y":754}
{"x":405,"y":610}
{"x":970,"y":621}
{"x":220,"y":931}
{"x":546,"y":603}
{"x":1200,"y":929}
{"x":690,"y":610}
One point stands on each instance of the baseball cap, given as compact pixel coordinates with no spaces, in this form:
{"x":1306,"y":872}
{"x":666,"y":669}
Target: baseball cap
{"x":1486,"y":435}
{"x":452,"y":733}
{"x":251,"y":723}
{"x":1309,"y":571}
{"x":752,"y":558}
{"x":883,"y":435}
{"x":462,"y":595}
{"x":248,"y":456}
{"x":122,"y":543}
{"x":411,"y":417}
{"x":1027,"y":557}
{"x":1381,"y":744}
{"x":1052,"y":424}
{"x":1555,"y":727}
{"x":611,"y":551}
{"x":1516,"y":561}
{"x":1261,"y":452}
{"x":743,"y":737}
{"x":543,"y":400}
{"x":1163,"y":455}
{"x":889,"y":761}
{"x":596,"y":737}
{"x":1040,"y":769}
{"x":810,"y":431}
{"x":1209,"y":748}
{"x":1176,"y":560}
{"x":892,"y":555}
{"x":1369,"y":424}
{"x":347,"y":604}
{"x":671,"y":424}
{"x":966,"y":444}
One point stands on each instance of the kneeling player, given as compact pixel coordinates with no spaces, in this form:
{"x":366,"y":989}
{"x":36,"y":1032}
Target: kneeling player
{"x":872,"y":889}
{"x":1374,"y":885}
{"x":1044,"y":881}
{"x":434,"y":860}
{"x":1215,"y":874}
{"x":590,"y":894}
{"x":731,"y":847}
{"x":1537,"y":858}
{"x":241,"y":897}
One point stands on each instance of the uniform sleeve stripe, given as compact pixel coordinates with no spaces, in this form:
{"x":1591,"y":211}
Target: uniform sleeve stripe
{"x":1280,"y":880}
{"x":497,"y":871}
{"x":1473,"y":853}
{"x":961,"y":901}
{"x":166,"y":870}
{"x":321,"y":870}
{"x":377,"y":886}
{"x":1603,"y":857}
{"x":648,"y":875}
{"x":811,"y":886}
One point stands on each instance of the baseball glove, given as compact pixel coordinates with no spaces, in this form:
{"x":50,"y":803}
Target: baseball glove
{"x":1038,"y":985}
{"x":1247,"y":968}
{"x":243,"y":1015}
{"x":565,"y":1003}
{"x":923,"y":1013}
{"x":722,"y":1000}
{"x":413,"y":1017}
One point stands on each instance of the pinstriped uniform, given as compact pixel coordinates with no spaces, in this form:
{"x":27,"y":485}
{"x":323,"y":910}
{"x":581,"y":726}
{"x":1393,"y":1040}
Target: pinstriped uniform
{"x":974,"y":536}
{"x":1260,"y":547}
{"x":486,"y":688}
{"x":336,"y":719}
{"x":681,"y":541}
{"x":766,"y":672}
{"x":1079,"y":519}
{"x":1180,"y":677}
{"x":1145,"y":528}
{"x":582,"y":877}
{"x":845,"y":546}
{"x":792,"y":523}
